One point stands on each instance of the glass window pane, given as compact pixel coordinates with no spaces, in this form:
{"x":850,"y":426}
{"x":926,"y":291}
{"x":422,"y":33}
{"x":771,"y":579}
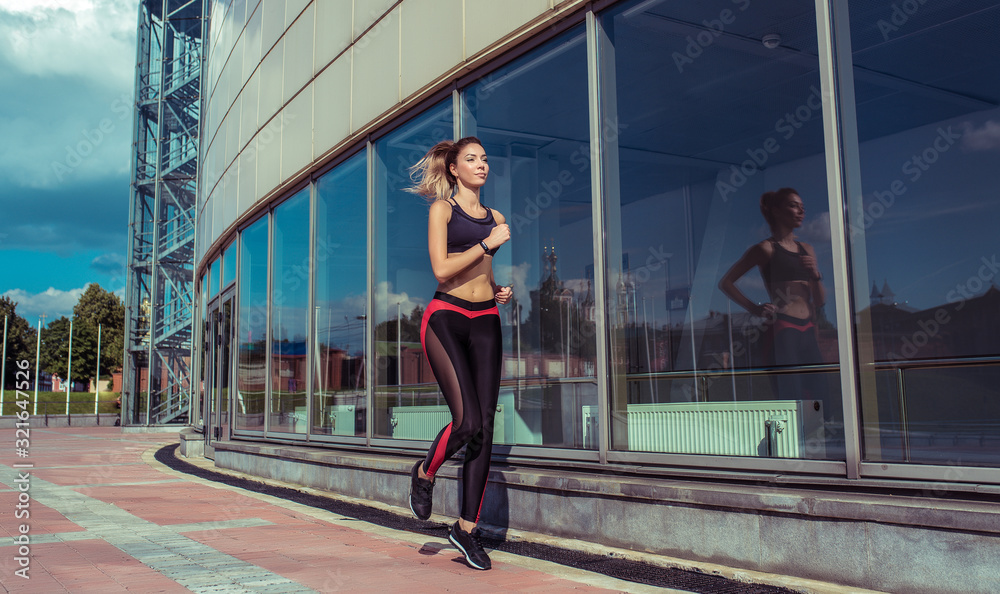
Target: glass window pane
{"x":289,"y":320}
{"x":229,"y":265}
{"x":341,"y":295}
{"x":404,"y":283}
{"x":698,"y":126}
{"x":532,"y":116}
{"x":251,"y":377}
{"x":196,"y":414}
{"x":213,"y":277}
{"x":925,"y":258}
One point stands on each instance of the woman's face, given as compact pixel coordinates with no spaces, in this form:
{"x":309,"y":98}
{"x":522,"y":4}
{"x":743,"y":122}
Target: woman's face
{"x":792,"y":212}
{"x":470,"y":167}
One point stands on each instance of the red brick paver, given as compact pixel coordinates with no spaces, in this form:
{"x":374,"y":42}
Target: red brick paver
{"x":169,"y":520}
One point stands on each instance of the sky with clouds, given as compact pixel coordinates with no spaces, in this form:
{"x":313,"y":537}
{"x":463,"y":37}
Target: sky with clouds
{"x":67,"y":72}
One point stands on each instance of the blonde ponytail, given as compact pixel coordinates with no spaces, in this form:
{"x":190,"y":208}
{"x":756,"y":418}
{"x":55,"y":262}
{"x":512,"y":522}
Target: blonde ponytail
{"x":430,"y":175}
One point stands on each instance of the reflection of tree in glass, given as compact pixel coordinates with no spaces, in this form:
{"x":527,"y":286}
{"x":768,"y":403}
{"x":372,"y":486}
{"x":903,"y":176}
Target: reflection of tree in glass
{"x":560,"y":321}
{"x":407,"y":329}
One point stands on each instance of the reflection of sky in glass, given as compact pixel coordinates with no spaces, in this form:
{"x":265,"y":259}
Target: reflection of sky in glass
{"x":927,"y":92}
{"x":931,"y":234}
{"x":532,"y":118}
{"x":229,"y":265}
{"x":290,"y":288}
{"x":403,"y":272}
{"x":696,"y":150}
{"x":253,"y":283}
{"x":341,"y":255}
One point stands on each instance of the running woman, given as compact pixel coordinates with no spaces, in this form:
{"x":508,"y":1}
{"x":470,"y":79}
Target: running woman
{"x":460,"y":331}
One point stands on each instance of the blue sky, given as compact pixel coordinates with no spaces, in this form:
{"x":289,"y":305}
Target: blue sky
{"x":67,"y":74}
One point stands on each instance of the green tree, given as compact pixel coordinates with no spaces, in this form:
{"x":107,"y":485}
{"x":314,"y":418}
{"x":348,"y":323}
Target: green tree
{"x":98,"y":307}
{"x":95,"y":307}
{"x":55,"y":348}
{"x":20,"y":340}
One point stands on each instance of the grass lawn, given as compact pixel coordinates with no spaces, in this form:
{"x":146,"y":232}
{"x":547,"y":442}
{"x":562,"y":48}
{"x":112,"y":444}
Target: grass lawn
{"x":54,"y":403}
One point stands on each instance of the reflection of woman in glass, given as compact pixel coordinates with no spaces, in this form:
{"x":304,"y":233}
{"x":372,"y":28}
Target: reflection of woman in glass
{"x":794,"y":285}
{"x":460,"y":331}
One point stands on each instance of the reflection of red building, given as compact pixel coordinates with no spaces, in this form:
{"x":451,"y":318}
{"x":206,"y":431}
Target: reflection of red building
{"x":338,"y":371}
{"x":289,"y":367}
{"x":331,"y":368}
{"x":415,"y":367}
{"x":116,"y":379}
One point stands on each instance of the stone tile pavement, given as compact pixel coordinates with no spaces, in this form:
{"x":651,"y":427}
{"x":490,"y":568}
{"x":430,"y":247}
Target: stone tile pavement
{"x":102,"y":515}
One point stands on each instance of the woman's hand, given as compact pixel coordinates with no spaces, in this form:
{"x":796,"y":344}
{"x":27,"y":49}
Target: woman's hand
{"x":498,"y":236}
{"x":809,"y":263}
{"x":503,"y":295}
{"x":768,"y":311}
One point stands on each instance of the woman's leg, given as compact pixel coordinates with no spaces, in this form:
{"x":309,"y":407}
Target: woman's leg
{"x":486,"y":354}
{"x":451,"y":338}
{"x":786,"y":345}
{"x":445,"y":345}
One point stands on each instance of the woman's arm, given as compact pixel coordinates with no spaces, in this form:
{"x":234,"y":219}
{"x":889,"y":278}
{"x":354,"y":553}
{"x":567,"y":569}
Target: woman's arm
{"x":752,"y":257}
{"x":816,"y":279}
{"x":502,"y":294}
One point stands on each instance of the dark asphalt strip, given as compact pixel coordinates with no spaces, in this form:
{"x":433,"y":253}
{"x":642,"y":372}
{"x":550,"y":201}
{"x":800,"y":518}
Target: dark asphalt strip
{"x":623,"y":569}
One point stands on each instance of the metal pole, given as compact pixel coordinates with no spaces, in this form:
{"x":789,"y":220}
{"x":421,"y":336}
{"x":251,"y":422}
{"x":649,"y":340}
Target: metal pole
{"x":69,"y":366}
{"x":649,"y":362}
{"x":399,"y":353}
{"x":3,"y":367}
{"x":97,"y":376}
{"x":38,"y":347}
{"x":317,"y":357}
{"x":519,"y":372}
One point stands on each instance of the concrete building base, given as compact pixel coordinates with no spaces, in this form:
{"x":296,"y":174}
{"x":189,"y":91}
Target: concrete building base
{"x":153,"y":428}
{"x":907,"y":543}
{"x":192,"y":443}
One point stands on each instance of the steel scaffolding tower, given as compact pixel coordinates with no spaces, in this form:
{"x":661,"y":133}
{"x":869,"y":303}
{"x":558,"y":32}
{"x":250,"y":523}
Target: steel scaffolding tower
{"x":160,"y":289}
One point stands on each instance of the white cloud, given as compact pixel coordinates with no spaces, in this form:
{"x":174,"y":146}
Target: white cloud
{"x":982,"y":139}
{"x":386,"y":300}
{"x":89,"y":39}
{"x":505,"y":274}
{"x":111,"y":264}
{"x":67,"y":69}
{"x":816,"y":230}
{"x":33,"y":6}
{"x":52,"y":302}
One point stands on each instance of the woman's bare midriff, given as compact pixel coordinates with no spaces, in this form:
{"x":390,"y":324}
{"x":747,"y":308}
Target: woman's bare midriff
{"x":792,"y":299}
{"x":472,"y":284}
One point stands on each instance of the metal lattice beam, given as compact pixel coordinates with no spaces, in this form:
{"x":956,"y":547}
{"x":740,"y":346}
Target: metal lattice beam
{"x":158,"y":301}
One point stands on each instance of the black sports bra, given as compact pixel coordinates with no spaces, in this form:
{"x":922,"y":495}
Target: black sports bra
{"x":784,"y":266}
{"x":465,"y":231}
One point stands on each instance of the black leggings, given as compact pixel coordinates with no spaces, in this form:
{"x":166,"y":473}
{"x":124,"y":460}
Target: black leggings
{"x":464,"y":347}
{"x":794,"y":343}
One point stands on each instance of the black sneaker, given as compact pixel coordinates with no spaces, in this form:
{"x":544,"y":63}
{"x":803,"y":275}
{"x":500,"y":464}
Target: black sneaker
{"x":470,"y":546}
{"x":421,"y":494}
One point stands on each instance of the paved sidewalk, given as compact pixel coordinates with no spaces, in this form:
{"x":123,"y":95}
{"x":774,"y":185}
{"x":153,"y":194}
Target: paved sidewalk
{"x":104,"y":516}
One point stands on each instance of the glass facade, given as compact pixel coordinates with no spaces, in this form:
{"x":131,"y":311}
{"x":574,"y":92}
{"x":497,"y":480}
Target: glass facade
{"x":629,"y":152}
{"x":340,"y":300}
{"x":924,"y":230}
{"x":251,"y":337}
{"x":289,"y":315}
{"x":228,"y":266}
{"x":689,"y":154}
{"x":532,"y":118}
{"x":403,"y":283}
